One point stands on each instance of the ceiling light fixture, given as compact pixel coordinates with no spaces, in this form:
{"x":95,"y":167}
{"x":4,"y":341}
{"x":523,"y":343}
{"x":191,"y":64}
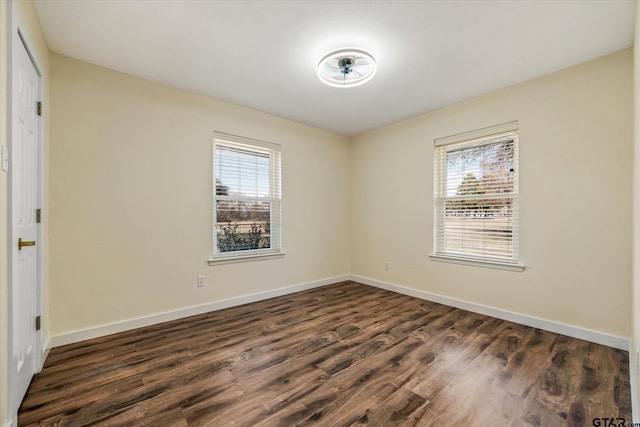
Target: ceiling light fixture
{"x":346,"y":68}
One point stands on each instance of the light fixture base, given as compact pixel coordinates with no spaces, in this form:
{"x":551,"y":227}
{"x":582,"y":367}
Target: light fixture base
{"x":346,"y":68}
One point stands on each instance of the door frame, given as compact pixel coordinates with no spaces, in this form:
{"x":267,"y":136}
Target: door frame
{"x":18,"y":33}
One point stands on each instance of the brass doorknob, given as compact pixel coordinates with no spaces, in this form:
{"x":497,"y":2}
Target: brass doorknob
{"x":27,"y":243}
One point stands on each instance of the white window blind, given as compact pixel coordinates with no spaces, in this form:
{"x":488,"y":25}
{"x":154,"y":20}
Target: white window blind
{"x":476,"y":195}
{"x":247,"y":196}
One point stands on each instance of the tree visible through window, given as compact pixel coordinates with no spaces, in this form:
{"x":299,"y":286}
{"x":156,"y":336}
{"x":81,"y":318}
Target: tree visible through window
{"x":476,"y":198}
{"x":247,"y":195}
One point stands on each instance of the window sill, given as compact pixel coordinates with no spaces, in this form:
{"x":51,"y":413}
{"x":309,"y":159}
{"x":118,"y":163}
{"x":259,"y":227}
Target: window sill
{"x":232,"y":259}
{"x":478,"y":263}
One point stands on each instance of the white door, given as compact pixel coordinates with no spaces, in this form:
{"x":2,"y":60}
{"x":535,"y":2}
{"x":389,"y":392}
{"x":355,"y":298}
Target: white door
{"x":24,"y":202}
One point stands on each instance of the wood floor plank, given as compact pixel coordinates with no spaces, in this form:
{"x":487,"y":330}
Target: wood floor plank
{"x":341,"y":355}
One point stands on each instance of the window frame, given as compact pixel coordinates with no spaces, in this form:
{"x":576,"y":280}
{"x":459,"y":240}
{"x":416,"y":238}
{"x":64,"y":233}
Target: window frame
{"x":468,"y":140}
{"x":274,"y":152}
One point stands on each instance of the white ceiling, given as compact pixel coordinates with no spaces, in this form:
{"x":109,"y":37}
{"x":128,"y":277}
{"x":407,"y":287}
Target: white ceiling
{"x":263,"y":54}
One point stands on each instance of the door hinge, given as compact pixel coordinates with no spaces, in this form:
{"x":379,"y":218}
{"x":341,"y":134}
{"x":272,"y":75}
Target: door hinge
{"x":39,"y":108}
{"x":38,"y":323}
{"x":38,"y":215}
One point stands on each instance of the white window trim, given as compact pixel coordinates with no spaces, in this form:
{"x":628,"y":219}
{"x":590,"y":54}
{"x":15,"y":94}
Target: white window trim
{"x":230,"y":140}
{"x":478,"y":133}
{"x":470,"y":137}
{"x":477,"y":262}
{"x":232,"y":259}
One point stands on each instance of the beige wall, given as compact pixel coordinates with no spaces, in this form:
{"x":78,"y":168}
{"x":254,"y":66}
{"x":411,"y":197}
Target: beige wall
{"x":29,"y":19}
{"x":4,"y":290}
{"x":636,"y":216}
{"x":131,"y":205}
{"x":575,"y":188}
{"x":124,"y":228}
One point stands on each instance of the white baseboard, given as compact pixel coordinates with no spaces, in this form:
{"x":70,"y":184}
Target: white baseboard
{"x":46,"y":348}
{"x":535,"y":322}
{"x":635,"y":410}
{"x":560,"y":328}
{"x":126,"y":325}
{"x":633,"y":373}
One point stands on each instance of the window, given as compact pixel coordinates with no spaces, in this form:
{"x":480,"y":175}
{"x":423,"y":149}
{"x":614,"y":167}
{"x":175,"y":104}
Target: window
{"x":247,"y":198}
{"x":476,"y":197}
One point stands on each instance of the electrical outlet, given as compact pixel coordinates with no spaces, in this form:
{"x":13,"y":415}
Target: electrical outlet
{"x":200,"y":281}
{"x":387,"y":265}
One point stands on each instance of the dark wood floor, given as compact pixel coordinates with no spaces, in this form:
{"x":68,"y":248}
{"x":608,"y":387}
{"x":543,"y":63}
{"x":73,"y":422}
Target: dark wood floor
{"x":341,"y":355}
